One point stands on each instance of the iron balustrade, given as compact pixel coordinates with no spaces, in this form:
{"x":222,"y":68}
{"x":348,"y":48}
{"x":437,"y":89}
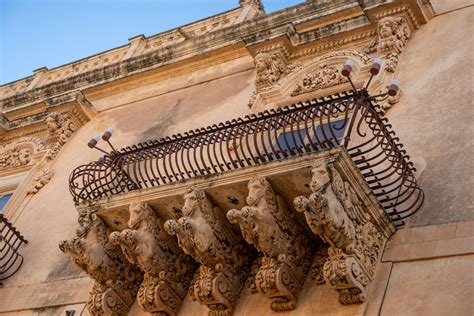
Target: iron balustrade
{"x":352,"y":120}
{"x":10,"y":241}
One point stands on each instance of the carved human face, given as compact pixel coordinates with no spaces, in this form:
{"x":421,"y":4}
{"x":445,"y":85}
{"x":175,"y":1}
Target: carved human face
{"x":319,"y":177}
{"x":385,"y":29}
{"x":191,"y":203}
{"x":256,"y":192}
{"x":51,"y":124}
{"x":261,"y":63}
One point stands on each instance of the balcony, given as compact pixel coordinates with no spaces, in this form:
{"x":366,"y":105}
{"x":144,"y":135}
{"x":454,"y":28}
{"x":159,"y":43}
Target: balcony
{"x":350,"y":120}
{"x":10,"y":242}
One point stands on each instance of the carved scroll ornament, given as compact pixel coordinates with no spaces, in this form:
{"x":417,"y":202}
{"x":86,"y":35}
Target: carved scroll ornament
{"x":167,"y":270}
{"x":335,"y":213}
{"x":324,"y":76}
{"x":16,"y":156}
{"x":204,"y":233}
{"x":267,"y":224}
{"x":116,"y":280}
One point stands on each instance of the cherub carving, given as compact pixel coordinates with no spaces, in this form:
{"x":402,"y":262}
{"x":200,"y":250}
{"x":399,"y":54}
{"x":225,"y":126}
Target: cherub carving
{"x":116,"y":280}
{"x":166,"y":267}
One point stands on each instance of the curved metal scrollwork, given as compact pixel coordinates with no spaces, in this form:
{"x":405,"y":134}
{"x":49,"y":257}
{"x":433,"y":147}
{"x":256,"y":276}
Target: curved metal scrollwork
{"x":10,"y":241}
{"x":353,"y":121}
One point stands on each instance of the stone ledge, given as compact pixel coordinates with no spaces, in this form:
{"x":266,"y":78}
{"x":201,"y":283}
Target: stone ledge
{"x":428,"y":242}
{"x":45,"y":294}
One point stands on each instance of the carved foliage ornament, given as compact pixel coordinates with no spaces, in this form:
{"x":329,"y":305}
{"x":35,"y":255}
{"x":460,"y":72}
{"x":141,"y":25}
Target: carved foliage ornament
{"x":205,"y":234}
{"x":267,"y":224}
{"x":16,"y":156}
{"x":167,"y":270}
{"x":116,"y":280}
{"x":323,"y":77}
{"x":392,"y":36}
{"x":335,"y":213}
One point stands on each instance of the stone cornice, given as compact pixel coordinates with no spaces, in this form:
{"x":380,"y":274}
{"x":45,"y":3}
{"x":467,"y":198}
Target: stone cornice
{"x":337,"y":19}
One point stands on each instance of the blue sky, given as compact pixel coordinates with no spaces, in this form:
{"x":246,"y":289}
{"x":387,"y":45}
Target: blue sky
{"x":37,"y":33}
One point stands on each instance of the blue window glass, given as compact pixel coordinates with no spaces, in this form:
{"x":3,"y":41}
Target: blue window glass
{"x":291,"y":140}
{"x":4,"y":200}
{"x":324,"y":134}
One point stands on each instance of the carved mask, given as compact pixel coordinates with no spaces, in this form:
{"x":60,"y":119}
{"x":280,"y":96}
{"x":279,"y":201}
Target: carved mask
{"x":319,"y":177}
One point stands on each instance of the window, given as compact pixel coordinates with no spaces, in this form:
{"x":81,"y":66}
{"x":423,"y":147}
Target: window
{"x":323,"y":138}
{"x":4,"y":200}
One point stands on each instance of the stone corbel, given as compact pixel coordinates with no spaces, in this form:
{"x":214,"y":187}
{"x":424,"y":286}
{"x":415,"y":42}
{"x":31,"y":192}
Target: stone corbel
{"x":335,"y":213}
{"x":205,"y":234}
{"x":167,"y":270}
{"x":116,"y":280}
{"x":271,"y":66}
{"x":267,"y":224}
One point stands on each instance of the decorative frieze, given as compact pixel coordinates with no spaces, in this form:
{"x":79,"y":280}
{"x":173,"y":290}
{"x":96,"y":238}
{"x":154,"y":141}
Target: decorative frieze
{"x":268,"y":225}
{"x":167,"y":270}
{"x":335,"y":213}
{"x":324,"y":76}
{"x":116,"y":280}
{"x":205,"y":234}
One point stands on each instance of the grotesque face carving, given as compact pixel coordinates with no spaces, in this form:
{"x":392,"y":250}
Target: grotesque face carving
{"x":52,"y":124}
{"x":319,"y":177}
{"x":385,"y":29}
{"x":261,"y":62}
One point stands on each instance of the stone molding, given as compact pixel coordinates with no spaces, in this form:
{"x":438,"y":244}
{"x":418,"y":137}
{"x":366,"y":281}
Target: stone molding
{"x":252,"y":32}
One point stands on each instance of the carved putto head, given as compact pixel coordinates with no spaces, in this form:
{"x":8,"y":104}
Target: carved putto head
{"x":52,"y":122}
{"x":393,"y":32}
{"x":270,"y":68}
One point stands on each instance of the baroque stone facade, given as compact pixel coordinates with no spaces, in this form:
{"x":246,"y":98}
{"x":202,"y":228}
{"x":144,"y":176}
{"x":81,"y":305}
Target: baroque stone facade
{"x":305,"y":234}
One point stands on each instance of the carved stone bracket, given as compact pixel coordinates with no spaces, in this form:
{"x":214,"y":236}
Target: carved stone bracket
{"x":167,"y":270}
{"x":271,"y":67}
{"x":116,"y":280}
{"x":392,"y":36}
{"x":336,"y":214}
{"x":267,"y":224}
{"x":205,"y":234}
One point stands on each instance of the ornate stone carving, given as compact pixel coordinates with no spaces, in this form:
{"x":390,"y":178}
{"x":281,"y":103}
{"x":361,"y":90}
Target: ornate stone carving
{"x":267,"y":224}
{"x":336,"y":214}
{"x":41,"y":179}
{"x":15,"y":156}
{"x":270,"y":68}
{"x":116,"y":280}
{"x":323,"y":77}
{"x":167,"y":270}
{"x":392,"y":36}
{"x":60,"y":128}
{"x":204,"y":233}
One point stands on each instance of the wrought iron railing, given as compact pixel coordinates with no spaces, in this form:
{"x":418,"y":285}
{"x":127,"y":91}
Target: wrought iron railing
{"x":10,"y":241}
{"x":352,"y":120}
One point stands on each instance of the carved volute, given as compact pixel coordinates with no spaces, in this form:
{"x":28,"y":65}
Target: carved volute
{"x":267,"y":224}
{"x":167,"y":270}
{"x":116,"y":280}
{"x":336,"y":214}
{"x":205,"y":234}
